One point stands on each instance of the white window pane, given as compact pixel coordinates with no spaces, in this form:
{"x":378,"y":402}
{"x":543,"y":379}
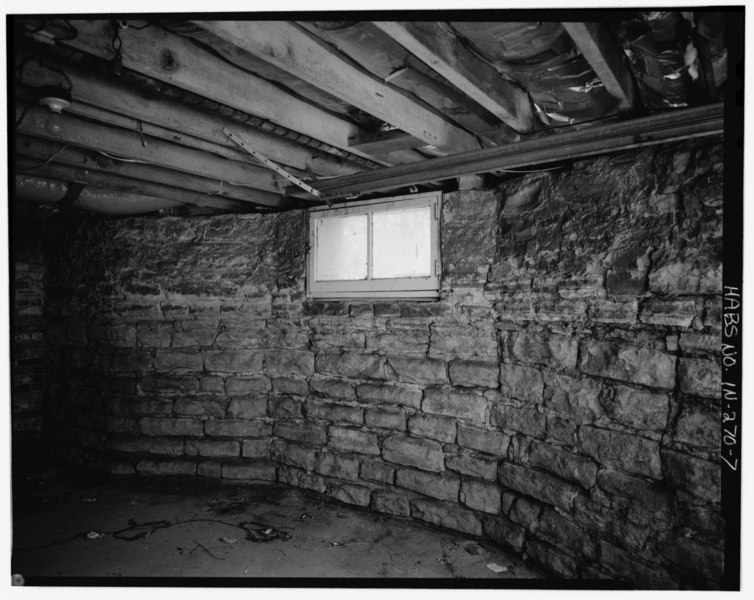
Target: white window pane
{"x":341,"y":248}
{"x":401,"y":243}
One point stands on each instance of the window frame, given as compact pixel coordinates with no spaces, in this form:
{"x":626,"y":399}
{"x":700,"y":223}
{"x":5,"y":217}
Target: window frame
{"x":418,"y":288}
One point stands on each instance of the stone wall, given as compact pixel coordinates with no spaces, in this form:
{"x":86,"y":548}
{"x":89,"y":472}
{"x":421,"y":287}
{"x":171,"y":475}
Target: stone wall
{"x":562,"y":398}
{"x":27,"y":328}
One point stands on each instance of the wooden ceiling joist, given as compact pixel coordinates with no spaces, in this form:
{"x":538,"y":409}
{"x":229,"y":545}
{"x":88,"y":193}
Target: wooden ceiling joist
{"x":636,"y":133}
{"x":111,"y":94}
{"x":130,"y":145}
{"x":178,"y":61}
{"x":109,"y":181}
{"x":71,"y":156}
{"x":444,"y":52}
{"x":601,"y":51}
{"x":290,"y":48}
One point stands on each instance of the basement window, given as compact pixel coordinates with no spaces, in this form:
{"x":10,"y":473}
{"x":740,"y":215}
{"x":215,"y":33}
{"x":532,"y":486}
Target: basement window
{"x":386,"y":248}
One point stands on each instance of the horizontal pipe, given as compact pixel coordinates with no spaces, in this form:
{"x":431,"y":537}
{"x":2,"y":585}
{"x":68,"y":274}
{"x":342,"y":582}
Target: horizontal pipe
{"x":636,"y":133}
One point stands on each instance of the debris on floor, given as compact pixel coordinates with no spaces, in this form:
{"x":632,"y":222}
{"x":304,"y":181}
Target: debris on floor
{"x":496,"y":568}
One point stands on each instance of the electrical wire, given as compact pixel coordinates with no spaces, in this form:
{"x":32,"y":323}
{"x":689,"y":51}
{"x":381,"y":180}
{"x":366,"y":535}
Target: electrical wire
{"x":23,"y":114}
{"x":49,"y":159}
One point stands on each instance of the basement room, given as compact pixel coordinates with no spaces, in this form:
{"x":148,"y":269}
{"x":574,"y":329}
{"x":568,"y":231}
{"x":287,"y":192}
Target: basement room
{"x":370,"y":299}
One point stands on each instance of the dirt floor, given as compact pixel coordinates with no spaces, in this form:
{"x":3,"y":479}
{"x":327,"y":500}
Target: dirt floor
{"x":73,"y":527}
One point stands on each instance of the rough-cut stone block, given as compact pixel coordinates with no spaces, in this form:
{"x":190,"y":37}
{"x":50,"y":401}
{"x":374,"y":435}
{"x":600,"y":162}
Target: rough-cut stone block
{"x":350,"y":364}
{"x":459,"y":341}
{"x":156,"y":426}
{"x":200,"y":406}
{"x":623,"y":565}
{"x":442,"y":429}
{"x":676,"y":313}
{"x":154,"y":334}
{"x":375,"y":470}
{"x":333,"y":388}
{"x":698,"y":425}
{"x":234,"y":361}
{"x":622,"y":451}
{"x":471,"y":373}
{"x":149,"y":445}
{"x":475,"y":466}
{"x":290,"y":385}
{"x":580,"y":398}
{"x":552,"y":559}
{"x":237,"y":428}
{"x":178,"y":360}
{"x":195,"y":333}
{"x":694,"y":557}
{"x":564,"y":534}
{"x":166,"y":467}
{"x":144,"y":406}
{"x":348,"y":439}
{"x":302,"y":479}
{"x":424,"y":371}
{"x":639,"y":409}
{"x":252,"y":407}
{"x":526,"y":513}
{"x":698,"y":342}
{"x":700,"y":478}
{"x":211,"y":384}
{"x":651,"y":496}
{"x":285,"y":407}
{"x":337,"y":465}
{"x":490,"y":442}
{"x":315,"y":408}
{"x":209,"y":469}
{"x":259,"y":471}
{"x":349,"y":493}
{"x":611,"y":523}
{"x":413,"y":452}
{"x":293,"y":454}
{"x":564,"y":464}
{"x":446,"y":514}
{"x":301,"y":431}
{"x":442,"y":487}
{"x":459,"y":405}
{"x":504,"y":532}
{"x":402,"y":343}
{"x":139,"y":361}
{"x":628,"y":363}
{"x":287,"y":362}
{"x":700,"y":377}
{"x":240,"y":386}
{"x":390,"y":394}
{"x":481,"y":496}
{"x":539,"y":485}
{"x":169,"y":384}
{"x":385,"y":418}
{"x":255,"y":449}
{"x":548,"y":349}
{"x":213,"y":448}
{"x":523,"y":383}
{"x":391,"y":503}
{"x":523,"y":419}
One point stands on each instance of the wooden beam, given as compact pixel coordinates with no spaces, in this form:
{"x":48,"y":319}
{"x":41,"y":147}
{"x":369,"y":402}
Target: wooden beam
{"x":128,"y":144}
{"x":290,"y":48}
{"x":637,"y":133}
{"x":179,"y":119}
{"x":384,"y":141}
{"x":444,"y":52}
{"x":601,"y":51}
{"x":178,"y":61}
{"x":382,"y":56}
{"x":124,"y":184}
{"x":186,"y":183}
